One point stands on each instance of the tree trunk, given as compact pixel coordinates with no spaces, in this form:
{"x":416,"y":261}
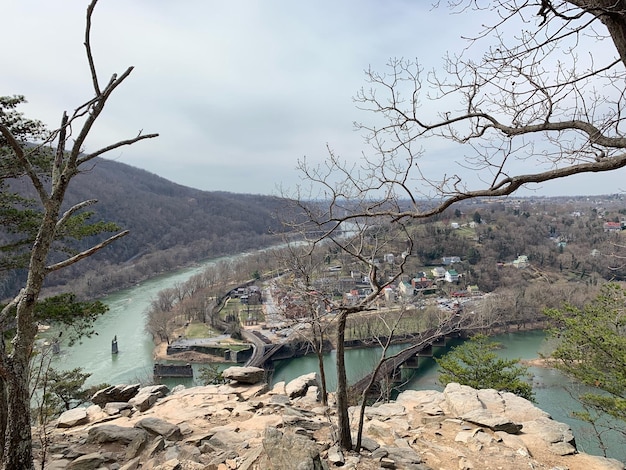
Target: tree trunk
{"x":17,"y":437}
{"x":611,"y":13}
{"x":320,"y":362}
{"x":343,"y":420}
{"x":3,"y":411}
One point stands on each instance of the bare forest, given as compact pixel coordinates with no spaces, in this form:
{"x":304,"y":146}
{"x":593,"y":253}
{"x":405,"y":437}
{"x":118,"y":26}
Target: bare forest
{"x":169,"y":226}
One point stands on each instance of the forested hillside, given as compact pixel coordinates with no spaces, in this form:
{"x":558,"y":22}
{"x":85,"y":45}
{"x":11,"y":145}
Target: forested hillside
{"x":170,"y":225}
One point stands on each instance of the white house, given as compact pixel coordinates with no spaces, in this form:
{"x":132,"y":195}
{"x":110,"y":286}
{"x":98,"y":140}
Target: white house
{"x":451,"y":276}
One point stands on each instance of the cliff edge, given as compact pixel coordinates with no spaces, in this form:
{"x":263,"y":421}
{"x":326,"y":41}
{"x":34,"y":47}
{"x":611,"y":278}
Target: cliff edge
{"x":243,"y":425}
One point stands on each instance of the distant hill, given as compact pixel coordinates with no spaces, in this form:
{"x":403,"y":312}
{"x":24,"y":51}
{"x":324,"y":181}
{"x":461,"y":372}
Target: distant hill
{"x":170,"y":225}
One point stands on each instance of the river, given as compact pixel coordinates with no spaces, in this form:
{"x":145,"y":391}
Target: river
{"x":133,"y":363}
{"x":126,"y":321}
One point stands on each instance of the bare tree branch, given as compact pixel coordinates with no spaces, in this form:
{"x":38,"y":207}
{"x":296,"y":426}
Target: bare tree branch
{"x":72,"y":210}
{"x":121,"y":143}
{"x":86,"y":253}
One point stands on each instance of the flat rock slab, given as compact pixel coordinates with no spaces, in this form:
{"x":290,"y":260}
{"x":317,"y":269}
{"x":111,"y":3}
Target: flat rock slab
{"x":244,"y":375}
{"x":161,"y":427}
{"x":113,"y":433}
{"x":73,"y":417}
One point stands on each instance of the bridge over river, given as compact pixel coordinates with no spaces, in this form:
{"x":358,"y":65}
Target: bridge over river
{"x":455,"y":325}
{"x":264,"y":349}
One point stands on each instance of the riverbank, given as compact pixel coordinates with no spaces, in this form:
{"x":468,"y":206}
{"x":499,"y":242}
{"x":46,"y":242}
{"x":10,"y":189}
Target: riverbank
{"x":544,"y":362}
{"x":160,"y":355}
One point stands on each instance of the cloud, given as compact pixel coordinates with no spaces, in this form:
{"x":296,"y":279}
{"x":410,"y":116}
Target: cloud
{"x":238,"y":91}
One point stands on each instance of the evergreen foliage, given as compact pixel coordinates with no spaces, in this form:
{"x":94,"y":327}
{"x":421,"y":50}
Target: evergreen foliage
{"x":475,"y":363}
{"x":592,"y":349}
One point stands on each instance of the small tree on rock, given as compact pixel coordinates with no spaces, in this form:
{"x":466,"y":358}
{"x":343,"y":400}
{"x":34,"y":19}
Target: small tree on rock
{"x":475,"y":363}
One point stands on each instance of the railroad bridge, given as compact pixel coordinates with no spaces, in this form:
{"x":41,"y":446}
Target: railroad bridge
{"x":422,"y":343}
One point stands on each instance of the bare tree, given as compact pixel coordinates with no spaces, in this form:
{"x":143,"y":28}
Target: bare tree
{"x":362,"y":245}
{"x":68,"y":159}
{"x":303,"y":265}
{"x":537,"y":105}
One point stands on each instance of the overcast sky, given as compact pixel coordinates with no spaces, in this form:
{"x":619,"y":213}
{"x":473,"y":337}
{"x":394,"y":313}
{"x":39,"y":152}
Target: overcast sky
{"x":238,"y":90}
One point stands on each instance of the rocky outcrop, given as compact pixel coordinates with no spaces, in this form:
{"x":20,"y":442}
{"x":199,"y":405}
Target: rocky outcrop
{"x":237,"y":426}
{"x":300,"y":386}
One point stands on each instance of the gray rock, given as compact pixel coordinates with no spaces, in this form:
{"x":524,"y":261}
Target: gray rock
{"x":73,"y":417}
{"x":385,"y":411}
{"x":298,"y":387}
{"x":244,"y":375}
{"x":335,"y":456}
{"x":367,"y":443}
{"x":159,"y":390}
{"x":512,"y":442}
{"x":161,"y":427}
{"x":555,"y":434}
{"x":403,"y":455}
{"x":310,"y":424}
{"x":380,"y":453}
{"x":178,"y":388}
{"x":148,"y":396}
{"x":115,"y":407}
{"x":115,"y":393}
{"x":144,"y":401}
{"x":279,"y":400}
{"x":112,"y":433}
{"x":225,"y":440}
{"x":562,"y":448}
{"x":156,"y":446}
{"x":87,"y":462}
{"x":461,"y":399}
{"x":136,"y":446}
{"x":495,"y":422}
{"x":131,"y":465}
{"x":285,"y":451}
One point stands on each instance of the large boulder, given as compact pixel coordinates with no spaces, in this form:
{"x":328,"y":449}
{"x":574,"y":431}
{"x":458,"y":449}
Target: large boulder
{"x":112,"y":433}
{"x":91,"y":461}
{"x":244,"y":375}
{"x":482,"y":407}
{"x":73,"y":417}
{"x":160,"y":427}
{"x":557,"y":436}
{"x":299,"y":386}
{"x":115,"y":393}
